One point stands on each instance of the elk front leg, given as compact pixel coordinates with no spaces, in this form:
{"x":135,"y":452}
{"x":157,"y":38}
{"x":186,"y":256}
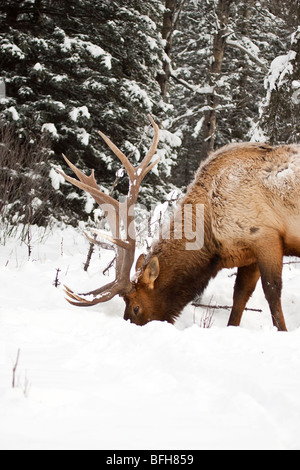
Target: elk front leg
{"x":245,"y":284}
{"x":270,"y":262}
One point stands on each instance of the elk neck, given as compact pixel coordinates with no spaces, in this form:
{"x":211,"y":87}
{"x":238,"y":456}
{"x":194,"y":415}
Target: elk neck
{"x":184,"y":274}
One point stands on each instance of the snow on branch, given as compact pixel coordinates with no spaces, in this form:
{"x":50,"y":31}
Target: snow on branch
{"x":250,"y":51}
{"x":175,"y":19}
{"x":202,"y":110}
{"x":206,"y":90}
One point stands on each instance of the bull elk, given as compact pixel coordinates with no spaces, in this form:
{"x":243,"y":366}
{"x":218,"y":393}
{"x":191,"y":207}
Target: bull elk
{"x":251,"y":219}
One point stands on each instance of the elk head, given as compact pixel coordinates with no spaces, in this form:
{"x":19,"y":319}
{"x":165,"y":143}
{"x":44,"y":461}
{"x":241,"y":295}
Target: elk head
{"x":139,"y":294}
{"x":142,"y":303}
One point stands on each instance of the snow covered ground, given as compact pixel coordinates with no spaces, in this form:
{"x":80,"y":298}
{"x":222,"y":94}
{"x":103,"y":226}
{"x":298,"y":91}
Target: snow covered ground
{"x":86,"y":379}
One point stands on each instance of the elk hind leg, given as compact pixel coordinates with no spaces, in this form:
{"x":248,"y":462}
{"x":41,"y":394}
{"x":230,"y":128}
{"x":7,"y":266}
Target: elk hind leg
{"x":245,"y":284}
{"x":270,"y":265}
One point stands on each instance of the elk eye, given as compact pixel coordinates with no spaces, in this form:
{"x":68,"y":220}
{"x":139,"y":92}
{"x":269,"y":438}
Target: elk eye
{"x":136,"y":310}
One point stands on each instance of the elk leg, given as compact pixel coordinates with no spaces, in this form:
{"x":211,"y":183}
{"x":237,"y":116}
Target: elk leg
{"x":245,"y":284}
{"x":270,"y":265}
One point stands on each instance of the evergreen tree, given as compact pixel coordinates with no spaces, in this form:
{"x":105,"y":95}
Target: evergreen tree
{"x":74,"y":66}
{"x":280,"y":111}
{"x":221,"y":57}
{"x":201,"y":68}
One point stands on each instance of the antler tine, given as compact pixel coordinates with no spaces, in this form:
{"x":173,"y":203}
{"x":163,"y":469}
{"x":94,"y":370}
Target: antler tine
{"x":126,"y":247}
{"x":131,"y":170}
{"x":144,"y":164}
{"x":124,"y":160}
{"x":88,"y":184}
{"x":106,"y":236}
{"x":102,"y":295}
{"x":89,"y":180}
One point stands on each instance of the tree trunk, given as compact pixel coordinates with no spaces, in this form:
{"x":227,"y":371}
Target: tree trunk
{"x":170,"y":21}
{"x":242,"y":95}
{"x":210,"y":119}
{"x":12,"y":12}
{"x":37,"y":10}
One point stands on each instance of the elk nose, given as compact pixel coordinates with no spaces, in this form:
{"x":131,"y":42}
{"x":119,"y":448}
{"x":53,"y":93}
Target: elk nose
{"x":127,"y":316}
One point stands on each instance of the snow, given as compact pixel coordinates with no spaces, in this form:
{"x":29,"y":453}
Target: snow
{"x":296,"y":84}
{"x":60,"y":78}
{"x":38,"y":67}
{"x":56,"y":178}
{"x":170,"y":138}
{"x":93,"y":84}
{"x":83,"y":136}
{"x":94,"y":50}
{"x":14,"y":113}
{"x":90,"y":204}
{"x":86,"y":379}
{"x":2,"y":90}
{"x":50,"y":127}
{"x":256,"y":133}
{"x":136,"y":94}
{"x":295,"y":36}
{"x":249,"y":48}
{"x":12,"y":49}
{"x":280,"y":67}
{"x":97,"y":51}
{"x":152,"y":43}
{"x":79,"y":112}
{"x":198,"y":128}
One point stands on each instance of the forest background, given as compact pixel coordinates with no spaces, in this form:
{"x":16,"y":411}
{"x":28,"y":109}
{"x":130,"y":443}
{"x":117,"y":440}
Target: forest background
{"x":210,"y":72}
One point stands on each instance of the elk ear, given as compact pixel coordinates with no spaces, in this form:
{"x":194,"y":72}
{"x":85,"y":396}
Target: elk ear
{"x":151,"y":273}
{"x":140,"y":263}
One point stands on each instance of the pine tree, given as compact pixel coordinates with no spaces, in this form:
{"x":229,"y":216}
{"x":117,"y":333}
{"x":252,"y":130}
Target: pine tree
{"x":280,"y":111}
{"x":220,"y":69}
{"x":74,"y":66}
{"x":71,"y":67}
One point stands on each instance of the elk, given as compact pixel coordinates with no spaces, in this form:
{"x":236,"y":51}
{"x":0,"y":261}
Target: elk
{"x":250,"y":193}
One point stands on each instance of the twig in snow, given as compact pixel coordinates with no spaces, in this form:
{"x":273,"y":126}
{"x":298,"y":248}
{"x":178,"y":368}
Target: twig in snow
{"x":224,"y":307}
{"x":291,"y":262}
{"x":28,"y":243}
{"x":57,"y":282}
{"x":89,"y":255}
{"x":109,"y":266}
{"x":15,"y":369}
{"x":27,"y":386}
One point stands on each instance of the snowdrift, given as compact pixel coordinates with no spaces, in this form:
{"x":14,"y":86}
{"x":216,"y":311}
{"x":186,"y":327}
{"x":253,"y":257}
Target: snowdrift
{"x":86,"y":379}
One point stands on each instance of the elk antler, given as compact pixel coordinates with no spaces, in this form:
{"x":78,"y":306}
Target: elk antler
{"x":116,"y":212}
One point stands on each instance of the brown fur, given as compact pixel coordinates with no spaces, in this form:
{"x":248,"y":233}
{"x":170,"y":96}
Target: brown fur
{"x":251,"y":196}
